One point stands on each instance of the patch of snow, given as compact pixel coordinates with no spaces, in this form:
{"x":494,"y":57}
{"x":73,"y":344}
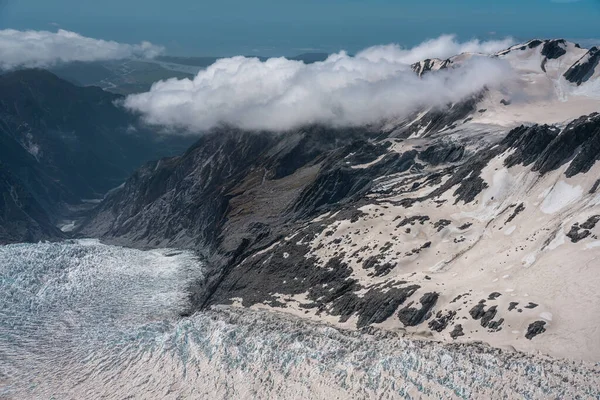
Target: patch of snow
{"x":367,"y":165}
{"x":561,"y":195}
{"x":528,"y":260}
{"x":558,"y":240}
{"x":321,"y":217}
{"x":97,"y":201}
{"x":68,"y":227}
{"x":438,"y":267}
{"x":592,"y":245}
{"x":546,"y":315}
{"x":500,"y":187}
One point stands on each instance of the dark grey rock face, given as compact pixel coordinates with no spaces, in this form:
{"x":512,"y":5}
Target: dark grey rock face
{"x":591,"y":222}
{"x":421,"y":219}
{"x":478,"y":311}
{"x":554,"y":49}
{"x":582,"y":71}
{"x":595,"y":186}
{"x":529,"y":143}
{"x":535,"y":329}
{"x":518,"y":209}
{"x":457,"y":331}
{"x":441,"y":224}
{"x":442,"y":153}
{"x":495,"y":326}
{"x":22,"y":218}
{"x":533,"y":44}
{"x":379,"y":269}
{"x":411,"y":316}
{"x":576,"y":234}
{"x":441,"y":321}
{"x":582,"y":138}
{"x":579,"y":232}
{"x":488,"y":316}
{"x":441,"y":118}
{"x":427,"y":65}
{"x":338,"y":184}
{"x":379,"y":306}
{"x":494,"y":295}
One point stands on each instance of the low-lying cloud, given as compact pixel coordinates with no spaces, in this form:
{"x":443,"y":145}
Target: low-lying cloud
{"x":279,"y":94}
{"x":33,"y":49}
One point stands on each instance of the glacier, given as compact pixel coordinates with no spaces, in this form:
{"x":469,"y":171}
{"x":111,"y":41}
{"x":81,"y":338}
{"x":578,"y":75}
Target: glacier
{"x":82,"y":319}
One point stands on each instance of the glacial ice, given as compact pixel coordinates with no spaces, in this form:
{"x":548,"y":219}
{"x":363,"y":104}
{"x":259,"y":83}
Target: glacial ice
{"x":80,"y":319}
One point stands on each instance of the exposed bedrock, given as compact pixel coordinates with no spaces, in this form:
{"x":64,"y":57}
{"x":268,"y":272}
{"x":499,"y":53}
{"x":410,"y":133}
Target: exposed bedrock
{"x":528,"y":143}
{"x":585,"y":68}
{"x":555,"y":48}
{"x":442,"y":153}
{"x":486,"y":316}
{"x":580,"y":140}
{"x":338,"y":184}
{"x":548,"y":148}
{"x":441,"y":320}
{"x":535,"y":329}
{"x":412,"y":316}
{"x":457,"y":331}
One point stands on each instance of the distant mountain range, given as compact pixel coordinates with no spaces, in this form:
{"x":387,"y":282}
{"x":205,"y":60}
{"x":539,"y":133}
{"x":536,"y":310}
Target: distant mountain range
{"x":137,"y":75}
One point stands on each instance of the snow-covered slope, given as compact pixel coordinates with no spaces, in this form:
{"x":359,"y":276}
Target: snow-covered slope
{"x":555,"y":81}
{"x":491,"y":250}
{"x":479,"y":221}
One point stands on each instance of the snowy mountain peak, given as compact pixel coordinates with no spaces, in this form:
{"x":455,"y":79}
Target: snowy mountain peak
{"x":554,"y":81}
{"x":427,"y":65}
{"x":551,"y":48}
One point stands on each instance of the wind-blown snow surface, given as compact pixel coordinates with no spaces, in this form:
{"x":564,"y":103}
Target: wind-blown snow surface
{"x":85,"y":320}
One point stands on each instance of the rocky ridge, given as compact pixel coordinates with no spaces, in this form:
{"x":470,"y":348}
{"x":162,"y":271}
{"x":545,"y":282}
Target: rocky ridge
{"x":446,"y":225}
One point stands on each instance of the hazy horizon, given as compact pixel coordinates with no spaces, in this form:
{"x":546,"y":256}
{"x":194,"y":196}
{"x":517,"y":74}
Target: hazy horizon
{"x":287,"y":28}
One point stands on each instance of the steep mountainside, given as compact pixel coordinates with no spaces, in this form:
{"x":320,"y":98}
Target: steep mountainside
{"x":473,"y":222}
{"x":22,"y":218}
{"x":62,"y":143}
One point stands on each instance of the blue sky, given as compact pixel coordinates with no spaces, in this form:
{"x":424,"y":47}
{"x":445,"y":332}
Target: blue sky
{"x":286,"y":27}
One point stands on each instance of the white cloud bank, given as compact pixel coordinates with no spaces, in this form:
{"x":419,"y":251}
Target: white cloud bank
{"x":280,"y":94}
{"x":43,"y":48}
